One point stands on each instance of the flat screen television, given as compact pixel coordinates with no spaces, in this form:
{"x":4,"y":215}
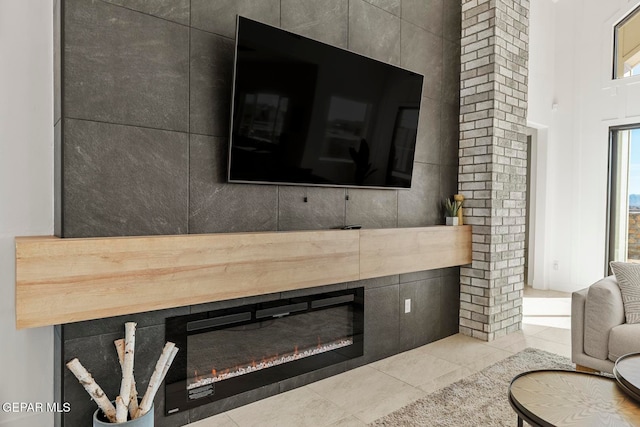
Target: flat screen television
{"x":307,"y":113}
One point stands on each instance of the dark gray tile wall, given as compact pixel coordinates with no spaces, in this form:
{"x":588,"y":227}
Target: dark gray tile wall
{"x":123,"y":66}
{"x":171,"y":10}
{"x":168,"y":65}
{"x":141,"y":148}
{"x":124,"y":180}
{"x":326,"y":21}
{"x":374,"y":32}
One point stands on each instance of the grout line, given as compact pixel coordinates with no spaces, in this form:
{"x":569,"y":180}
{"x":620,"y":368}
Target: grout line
{"x":127,"y":124}
{"x":148,"y":14}
{"x":348,"y":14}
{"x":189,"y":127}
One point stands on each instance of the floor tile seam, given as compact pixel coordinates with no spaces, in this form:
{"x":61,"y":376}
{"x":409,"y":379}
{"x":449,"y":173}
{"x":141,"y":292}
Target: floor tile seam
{"x":418,"y":386}
{"x":294,"y":413}
{"x":466,"y":374}
{"x":365,"y":421}
{"x":506,"y":348}
{"x":391,"y":376}
{"x":344,"y":419}
{"x":231,"y":418}
{"x":233,"y":421}
{"x":421,"y":351}
{"x":355,"y":413}
{"x":564,"y":342}
{"x":347,"y":412}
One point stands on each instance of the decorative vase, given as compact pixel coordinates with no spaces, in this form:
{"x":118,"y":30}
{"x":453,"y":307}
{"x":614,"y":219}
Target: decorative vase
{"x":147,"y":420}
{"x":452,"y":220}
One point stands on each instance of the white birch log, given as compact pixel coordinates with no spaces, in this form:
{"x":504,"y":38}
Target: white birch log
{"x":94,"y":390}
{"x":169,"y":362}
{"x":127,"y":370}
{"x":121,"y":410}
{"x":133,"y":403}
{"x":156,"y":379}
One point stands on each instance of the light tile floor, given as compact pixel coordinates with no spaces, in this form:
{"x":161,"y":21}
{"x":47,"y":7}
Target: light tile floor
{"x":362,"y":395}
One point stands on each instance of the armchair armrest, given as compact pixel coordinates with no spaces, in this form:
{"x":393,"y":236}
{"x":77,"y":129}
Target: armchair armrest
{"x":578,"y":302}
{"x":603,"y":311}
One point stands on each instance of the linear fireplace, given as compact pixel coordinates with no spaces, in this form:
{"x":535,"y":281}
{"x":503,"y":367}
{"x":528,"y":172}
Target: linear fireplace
{"x":227,"y":352}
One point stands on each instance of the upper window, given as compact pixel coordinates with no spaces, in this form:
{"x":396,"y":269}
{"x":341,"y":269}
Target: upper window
{"x":626,"y":61}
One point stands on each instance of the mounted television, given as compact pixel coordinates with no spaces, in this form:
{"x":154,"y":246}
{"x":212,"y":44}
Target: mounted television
{"x":306,"y":113}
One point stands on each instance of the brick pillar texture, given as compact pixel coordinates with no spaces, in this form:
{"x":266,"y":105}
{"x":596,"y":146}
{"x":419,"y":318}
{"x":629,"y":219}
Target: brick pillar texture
{"x":493,"y":162}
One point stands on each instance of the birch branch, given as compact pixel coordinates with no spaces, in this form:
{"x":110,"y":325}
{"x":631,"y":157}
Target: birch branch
{"x":169,"y":362}
{"x":121,"y":410}
{"x":94,"y":390}
{"x":162,"y":366}
{"x":133,"y":403}
{"x":127,"y":371}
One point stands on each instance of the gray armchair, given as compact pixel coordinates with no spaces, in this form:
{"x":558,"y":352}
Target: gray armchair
{"x":599,"y":334}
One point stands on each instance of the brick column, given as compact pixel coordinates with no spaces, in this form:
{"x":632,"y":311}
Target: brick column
{"x":493,"y":162}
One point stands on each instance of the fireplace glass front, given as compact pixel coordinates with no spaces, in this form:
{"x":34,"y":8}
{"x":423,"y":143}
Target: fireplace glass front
{"x":227,"y":352}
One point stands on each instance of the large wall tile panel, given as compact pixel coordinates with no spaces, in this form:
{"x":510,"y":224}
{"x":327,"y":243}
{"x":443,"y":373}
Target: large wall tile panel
{"x":171,"y":10}
{"x":365,"y":20}
{"x":422,"y":325}
{"x":417,"y":276}
{"x":450,"y":125}
{"x":451,"y":22}
{"x":422,"y":53}
{"x":219,"y":16}
{"x":381,"y":317}
{"x":421,"y":204}
{"x":122,"y":66}
{"x":323,"y":209}
{"x":426,"y":14}
{"x":447,"y":183}
{"x":372,"y":208}
{"x":451,"y":80}
{"x":211,"y":70}
{"x":375,"y":282}
{"x":325,"y":21}
{"x":216,"y":206}
{"x":123,"y":180}
{"x":449,"y":303}
{"x":392,"y":6}
{"x":428,"y":141}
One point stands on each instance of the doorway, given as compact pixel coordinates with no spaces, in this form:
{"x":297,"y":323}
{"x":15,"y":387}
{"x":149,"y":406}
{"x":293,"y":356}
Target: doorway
{"x":623,"y":213}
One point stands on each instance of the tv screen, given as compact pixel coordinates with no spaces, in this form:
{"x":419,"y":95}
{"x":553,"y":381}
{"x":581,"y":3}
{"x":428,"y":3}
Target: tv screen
{"x":306,"y":113}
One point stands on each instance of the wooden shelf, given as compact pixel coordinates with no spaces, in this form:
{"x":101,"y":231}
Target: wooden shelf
{"x":69,"y":280}
{"x":388,"y":251}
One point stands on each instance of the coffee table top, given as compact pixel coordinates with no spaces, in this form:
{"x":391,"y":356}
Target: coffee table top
{"x":627,"y":372}
{"x":567,"y":398}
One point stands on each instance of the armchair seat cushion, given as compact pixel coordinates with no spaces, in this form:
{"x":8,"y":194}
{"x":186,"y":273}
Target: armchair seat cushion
{"x":624,"y":339}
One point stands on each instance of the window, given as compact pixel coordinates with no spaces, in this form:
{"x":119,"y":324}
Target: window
{"x":626,"y":61}
{"x":624,"y":194}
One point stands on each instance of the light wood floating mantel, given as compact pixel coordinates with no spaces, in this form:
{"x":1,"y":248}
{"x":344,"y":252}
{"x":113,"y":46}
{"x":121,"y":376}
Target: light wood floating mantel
{"x":69,"y":280}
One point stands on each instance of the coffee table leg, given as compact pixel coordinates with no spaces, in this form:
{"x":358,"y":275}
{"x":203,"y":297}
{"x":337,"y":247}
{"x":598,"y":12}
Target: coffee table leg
{"x":520,"y":421}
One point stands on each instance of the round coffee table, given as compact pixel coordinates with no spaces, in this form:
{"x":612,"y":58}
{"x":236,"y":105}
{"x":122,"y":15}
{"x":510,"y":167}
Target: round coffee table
{"x":567,"y":398}
{"x":627,"y":373}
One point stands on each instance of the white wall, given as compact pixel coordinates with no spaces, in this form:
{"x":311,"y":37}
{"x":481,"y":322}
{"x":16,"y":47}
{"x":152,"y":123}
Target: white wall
{"x":26,"y":193}
{"x":578,"y":79}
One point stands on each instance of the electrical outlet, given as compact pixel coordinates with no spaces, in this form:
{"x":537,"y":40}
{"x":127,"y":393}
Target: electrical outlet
{"x":555,"y":265}
{"x":407,"y":305}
